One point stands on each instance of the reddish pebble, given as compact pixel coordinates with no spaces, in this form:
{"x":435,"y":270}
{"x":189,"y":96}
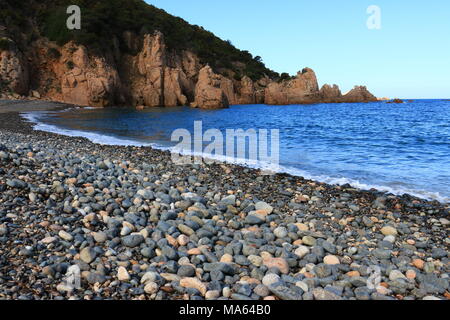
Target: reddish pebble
{"x":418,"y":263}
{"x":411,"y":274}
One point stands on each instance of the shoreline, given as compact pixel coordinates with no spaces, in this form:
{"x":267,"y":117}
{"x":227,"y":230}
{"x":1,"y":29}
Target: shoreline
{"x":291,"y":227}
{"x":122,"y":142}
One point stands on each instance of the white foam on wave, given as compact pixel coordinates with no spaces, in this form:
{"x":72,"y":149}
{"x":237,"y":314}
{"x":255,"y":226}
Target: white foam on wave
{"x":91,"y":136}
{"x":262,"y":165}
{"x":396,"y":190}
{"x":275,"y":168}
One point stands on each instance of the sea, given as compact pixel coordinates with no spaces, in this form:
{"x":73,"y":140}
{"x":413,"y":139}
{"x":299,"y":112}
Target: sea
{"x":396,"y":148}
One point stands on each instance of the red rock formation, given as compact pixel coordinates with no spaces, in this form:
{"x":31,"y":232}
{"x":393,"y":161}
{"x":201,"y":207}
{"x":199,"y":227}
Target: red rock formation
{"x":208,"y":92}
{"x":300,"y":90}
{"x":13,"y":70}
{"x":358,"y":94}
{"x":247,"y":92}
{"x":86,"y":80}
{"x":150,"y":76}
{"x":330,"y":93}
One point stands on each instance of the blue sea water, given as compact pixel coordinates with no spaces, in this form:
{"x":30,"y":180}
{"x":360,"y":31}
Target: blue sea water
{"x":398,"y":148}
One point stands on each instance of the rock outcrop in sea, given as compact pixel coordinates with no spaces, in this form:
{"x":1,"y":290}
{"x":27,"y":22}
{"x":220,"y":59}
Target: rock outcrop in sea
{"x":154,"y":76}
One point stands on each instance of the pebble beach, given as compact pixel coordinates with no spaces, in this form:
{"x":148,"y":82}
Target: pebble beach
{"x":137,"y":226}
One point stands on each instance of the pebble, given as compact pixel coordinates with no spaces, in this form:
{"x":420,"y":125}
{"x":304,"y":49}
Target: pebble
{"x":88,"y":255}
{"x":133,"y":240}
{"x":3,"y":230}
{"x":122,"y":274}
{"x":302,"y":226}
{"x":151,"y":288}
{"x":32,"y":196}
{"x":353,"y":274}
{"x":186,"y":271}
{"x":309,"y":241}
{"x":302,"y":285}
{"x":226,"y":292}
{"x":212,"y":294}
{"x":301,"y":251}
{"x":193,"y":283}
{"x":16,"y":183}
{"x":270,"y":279}
{"x":285,"y":293}
{"x":396,"y":274}
{"x":332,"y":260}
{"x":389,"y":238}
{"x":48,"y":240}
{"x":431,"y":298}
{"x":227,"y":258}
{"x":321,"y":294}
{"x":65,"y":235}
{"x":64,"y":287}
{"x":279,"y":263}
{"x":263,"y":206}
{"x":410,"y":274}
{"x":389,"y":231}
{"x":100,"y":237}
{"x":150,"y":276}
{"x":255,"y":260}
{"x":418,"y":263}
{"x":186,"y":230}
{"x":280,"y":232}
{"x":183,"y":240}
{"x":261,"y":290}
{"x":139,"y":227}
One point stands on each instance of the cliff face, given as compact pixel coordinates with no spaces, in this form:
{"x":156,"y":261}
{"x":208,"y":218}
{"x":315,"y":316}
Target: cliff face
{"x":83,"y":79}
{"x":155,"y":76}
{"x":13,"y":69}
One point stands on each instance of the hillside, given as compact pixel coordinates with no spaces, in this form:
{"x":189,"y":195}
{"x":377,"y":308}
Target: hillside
{"x":129,"y":52}
{"x":105,"y":21}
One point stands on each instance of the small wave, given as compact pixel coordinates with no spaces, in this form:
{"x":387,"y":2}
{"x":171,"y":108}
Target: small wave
{"x":268,"y":167}
{"x":91,"y":136}
{"x":397,"y":190}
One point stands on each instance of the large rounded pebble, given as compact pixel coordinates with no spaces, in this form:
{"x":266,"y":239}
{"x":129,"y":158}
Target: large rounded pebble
{"x":330,"y":259}
{"x":133,"y":240}
{"x":88,"y":255}
{"x":65,"y":235}
{"x":389,"y":231}
{"x":193,"y":283}
{"x":122,"y":274}
{"x":280,"y":232}
{"x":309,"y":241}
{"x":151,"y":288}
{"x":100,"y":237}
{"x":279,"y":263}
{"x":396,"y":274}
{"x":212,"y":294}
{"x":301,"y":251}
{"x":270,"y":279}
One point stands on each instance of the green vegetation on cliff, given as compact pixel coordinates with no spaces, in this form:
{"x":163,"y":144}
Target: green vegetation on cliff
{"x":104,"y":22}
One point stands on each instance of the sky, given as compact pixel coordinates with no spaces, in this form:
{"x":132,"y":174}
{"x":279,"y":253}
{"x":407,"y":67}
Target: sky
{"x":408,"y":57}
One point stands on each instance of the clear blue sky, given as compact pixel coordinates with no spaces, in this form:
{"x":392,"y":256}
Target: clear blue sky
{"x":408,"y":58}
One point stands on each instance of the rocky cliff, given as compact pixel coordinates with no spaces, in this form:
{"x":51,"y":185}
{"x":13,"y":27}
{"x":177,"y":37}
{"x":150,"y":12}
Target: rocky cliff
{"x":141,"y":70}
